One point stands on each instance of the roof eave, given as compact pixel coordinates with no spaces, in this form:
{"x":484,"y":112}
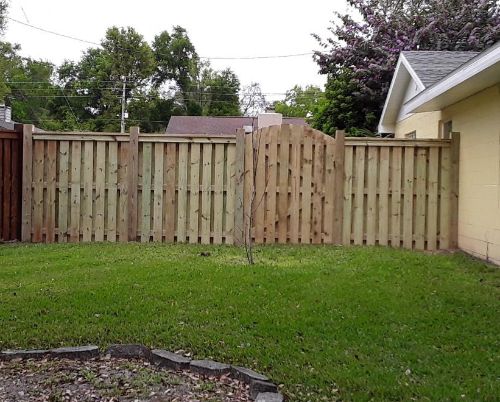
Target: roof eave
{"x":389,"y":117}
{"x":480,"y":73}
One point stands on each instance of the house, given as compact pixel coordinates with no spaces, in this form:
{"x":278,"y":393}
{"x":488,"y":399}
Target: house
{"x":181,"y":125}
{"x":435,"y":93}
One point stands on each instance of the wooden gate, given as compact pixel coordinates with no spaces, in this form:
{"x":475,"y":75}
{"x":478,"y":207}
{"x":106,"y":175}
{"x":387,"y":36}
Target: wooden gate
{"x":10,"y":185}
{"x":291,"y":174}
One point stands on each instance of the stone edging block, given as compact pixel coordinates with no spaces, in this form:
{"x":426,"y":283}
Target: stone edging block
{"x":78,"y":352}
{"x":260,"y":386}
{"x":209,"y":367}
{"x":269,"y":397}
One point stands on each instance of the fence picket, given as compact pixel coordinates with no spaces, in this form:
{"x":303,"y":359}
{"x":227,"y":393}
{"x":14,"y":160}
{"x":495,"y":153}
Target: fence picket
{"x":112,"y":184}
{"x":147,"y":153}
{"x":383,"y":206}
{"x":359,"y":196}
{"x":348,"y":191}
{"x":305,"y":233}
{"x":158,"y":193}
{"x":76,"y":163}
{"x":100,"y":191}
{"x":283,"y":196}
{"x":218,"y":204}
{"x":396,"y":177}
{"x":182,"y":192}
{"x":206,"y":196}
{"x":170,"y":194}
{"x":194,"y":194}
{"x":50,"y":202}
{"x":371,"y":209}
{"x":408,"y":197}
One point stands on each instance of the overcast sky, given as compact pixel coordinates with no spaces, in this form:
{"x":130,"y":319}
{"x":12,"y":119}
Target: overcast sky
{"x":218,"y":28}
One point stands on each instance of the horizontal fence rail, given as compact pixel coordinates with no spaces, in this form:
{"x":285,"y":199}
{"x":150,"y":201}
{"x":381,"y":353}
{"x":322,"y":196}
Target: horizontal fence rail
{"x":283,"y":184}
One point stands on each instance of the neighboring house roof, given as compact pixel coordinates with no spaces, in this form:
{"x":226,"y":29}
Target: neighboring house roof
{"x":216,"y":125}
{"x":416,"y":71}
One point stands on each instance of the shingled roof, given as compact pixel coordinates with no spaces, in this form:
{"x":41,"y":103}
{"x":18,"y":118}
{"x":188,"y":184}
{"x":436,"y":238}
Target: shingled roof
{"x":432,"y":66}
{"x":216,"y":125}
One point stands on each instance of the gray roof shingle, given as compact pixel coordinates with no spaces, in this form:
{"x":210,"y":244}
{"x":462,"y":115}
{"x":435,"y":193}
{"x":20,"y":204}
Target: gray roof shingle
{"x":216,"y":125}
{"x":432,"y":66}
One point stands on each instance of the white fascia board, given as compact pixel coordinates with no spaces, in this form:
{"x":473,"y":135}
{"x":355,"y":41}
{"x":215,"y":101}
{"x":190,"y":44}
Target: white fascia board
{"x":469,"y":70}
{"x":395,"y":96}
{"x":412,"y":73}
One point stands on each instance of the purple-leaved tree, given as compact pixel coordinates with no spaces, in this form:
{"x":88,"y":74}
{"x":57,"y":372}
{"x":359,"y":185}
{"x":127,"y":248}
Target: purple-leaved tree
{"x":368,"y":49}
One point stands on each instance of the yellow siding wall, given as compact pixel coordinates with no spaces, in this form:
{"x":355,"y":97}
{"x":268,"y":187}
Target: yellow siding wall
{"x":477,"y":118}
{"x":425,"y":124}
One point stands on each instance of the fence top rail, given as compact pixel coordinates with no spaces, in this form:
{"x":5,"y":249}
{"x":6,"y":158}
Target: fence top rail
{"x":110,"y":137}
{"x":396,"y":142}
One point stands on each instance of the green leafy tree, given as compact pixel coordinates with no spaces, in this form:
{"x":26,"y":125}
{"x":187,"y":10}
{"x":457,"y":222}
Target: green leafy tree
{"x":301,"y":102}
{"x":219,"y":93}
{"x":96,"y":81}
{"x":339,"y":110}
{"x":176,"y":60}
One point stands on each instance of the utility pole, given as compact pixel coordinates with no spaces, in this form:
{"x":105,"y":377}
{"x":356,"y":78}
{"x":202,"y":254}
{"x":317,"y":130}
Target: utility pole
{"x":124,"y":102}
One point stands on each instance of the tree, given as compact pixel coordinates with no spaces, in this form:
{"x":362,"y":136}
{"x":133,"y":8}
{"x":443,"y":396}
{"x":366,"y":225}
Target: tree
{"x":176,"y":60}
{"x":219,"y":93}
{"x":300,"y":102}
{"x":339,"y":111}
{"x":4,"y":4}
{"x":252,"y":101}
{"x":367,"y":51}
{"x":96,"y":81}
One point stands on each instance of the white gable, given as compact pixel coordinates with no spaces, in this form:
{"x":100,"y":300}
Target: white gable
{"x":404,"y":86}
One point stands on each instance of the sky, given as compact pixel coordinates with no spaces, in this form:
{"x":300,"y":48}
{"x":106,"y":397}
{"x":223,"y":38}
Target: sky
{"x":218,"y":28}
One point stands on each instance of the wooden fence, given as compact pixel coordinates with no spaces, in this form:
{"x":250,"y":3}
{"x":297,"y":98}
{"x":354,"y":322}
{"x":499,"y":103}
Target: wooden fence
{"x":10,"y":185}
{"x":291,"y":184}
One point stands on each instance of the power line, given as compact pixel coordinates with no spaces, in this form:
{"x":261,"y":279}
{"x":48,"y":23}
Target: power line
{"x":282,"y":56}
{"x":52,"y":32}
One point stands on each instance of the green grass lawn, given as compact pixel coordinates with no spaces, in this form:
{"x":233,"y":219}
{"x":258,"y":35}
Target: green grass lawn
{"x":325,"y":322}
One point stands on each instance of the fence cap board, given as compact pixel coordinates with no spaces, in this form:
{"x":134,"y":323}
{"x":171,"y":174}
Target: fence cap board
{"x":397,"y":142}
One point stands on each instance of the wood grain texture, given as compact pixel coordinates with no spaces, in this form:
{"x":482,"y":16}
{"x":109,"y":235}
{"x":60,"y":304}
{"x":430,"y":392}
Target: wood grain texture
{"x":206,"y":196}
{"x":338,"y":186}
{"x":283,"y":197}
{"x":27,"y":182}
{"x":218,"y":204}
{"x":133,"y":178}
{"x":194,"y":194}
{"x":239,"y":212}
{"x":158,"y":192}
{"x":50,"y":202}
{"x":100,"y":191}
{"x":145,"y":218}
{"x":76,"y":166}
{"x":271,"y":188}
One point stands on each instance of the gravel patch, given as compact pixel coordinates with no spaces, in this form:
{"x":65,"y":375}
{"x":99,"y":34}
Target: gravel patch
{"x":105,"y":379}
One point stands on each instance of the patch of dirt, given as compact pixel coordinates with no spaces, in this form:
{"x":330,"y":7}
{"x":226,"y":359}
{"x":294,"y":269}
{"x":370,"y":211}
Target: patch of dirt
{"x":109,"y":380}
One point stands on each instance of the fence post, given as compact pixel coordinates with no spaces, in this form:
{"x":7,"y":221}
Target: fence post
{"x":133,"y":173}
{"x":239,"y":230}
{"x":338,"y":201}
{"x":27,"y":179}
{"x":455,"y":190}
